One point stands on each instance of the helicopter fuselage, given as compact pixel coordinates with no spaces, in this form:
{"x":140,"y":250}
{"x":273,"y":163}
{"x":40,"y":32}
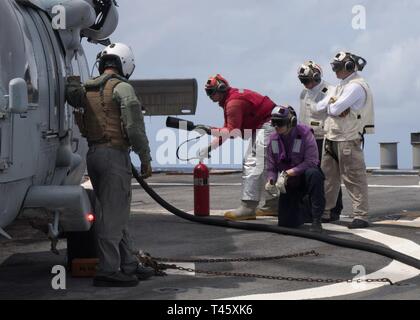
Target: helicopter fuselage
{"x":40,"y":147}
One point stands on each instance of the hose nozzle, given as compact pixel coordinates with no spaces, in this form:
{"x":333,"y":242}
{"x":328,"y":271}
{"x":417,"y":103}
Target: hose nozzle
{"x":177,"y":123}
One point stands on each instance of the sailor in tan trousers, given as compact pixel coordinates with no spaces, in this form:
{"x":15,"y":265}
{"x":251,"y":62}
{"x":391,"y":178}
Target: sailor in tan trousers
{"x":350,"y":116}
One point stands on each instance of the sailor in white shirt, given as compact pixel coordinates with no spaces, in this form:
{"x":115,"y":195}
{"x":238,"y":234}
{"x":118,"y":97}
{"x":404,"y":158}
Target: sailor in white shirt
{"x":315,"y":90}
{"x":353,"y":95}
{"x":350,"y":115}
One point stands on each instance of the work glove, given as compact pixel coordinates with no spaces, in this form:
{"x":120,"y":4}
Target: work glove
{"x":202,"y":127}
{"x":282,"y":182}
{"x":203,"y":153}
{"x":146,"y":170}
{"x":270,"y":187}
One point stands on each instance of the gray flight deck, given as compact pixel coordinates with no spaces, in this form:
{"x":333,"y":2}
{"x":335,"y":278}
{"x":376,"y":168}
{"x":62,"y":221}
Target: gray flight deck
{"x":26,"y":263}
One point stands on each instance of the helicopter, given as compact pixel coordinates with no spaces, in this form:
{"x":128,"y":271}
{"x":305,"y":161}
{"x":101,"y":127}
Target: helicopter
{"x":42,"y":153}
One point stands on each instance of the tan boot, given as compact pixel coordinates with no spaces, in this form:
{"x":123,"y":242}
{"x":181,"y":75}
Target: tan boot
{"x":269,"y":209}
{"x":245,"y":212}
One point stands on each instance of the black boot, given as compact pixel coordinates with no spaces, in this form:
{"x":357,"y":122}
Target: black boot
{"x":316,"y":226}
{"x":142,"y":272}
{"x":358,"y":224}
{"x":117,"y":279}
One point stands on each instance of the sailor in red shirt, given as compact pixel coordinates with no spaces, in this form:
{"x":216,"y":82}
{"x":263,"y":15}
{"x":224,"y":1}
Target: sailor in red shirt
{"x":245,"y":110}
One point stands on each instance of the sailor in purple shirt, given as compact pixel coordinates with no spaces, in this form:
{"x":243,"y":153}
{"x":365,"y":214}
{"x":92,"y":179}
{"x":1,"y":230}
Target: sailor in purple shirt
{"x":293,"y":172}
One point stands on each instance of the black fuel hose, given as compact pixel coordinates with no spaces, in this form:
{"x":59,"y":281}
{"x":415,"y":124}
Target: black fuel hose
{"x":217,"y":221}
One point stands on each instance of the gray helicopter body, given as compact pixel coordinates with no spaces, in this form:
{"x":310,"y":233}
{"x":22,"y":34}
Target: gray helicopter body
{"x":41,"y":151}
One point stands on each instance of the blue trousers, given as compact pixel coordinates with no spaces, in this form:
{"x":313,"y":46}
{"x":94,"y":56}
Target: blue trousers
{"x":304,"y":199}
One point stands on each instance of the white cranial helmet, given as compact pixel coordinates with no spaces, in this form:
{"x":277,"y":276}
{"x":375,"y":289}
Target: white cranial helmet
{"x":117,"y":55}
{"x":310,"y":71}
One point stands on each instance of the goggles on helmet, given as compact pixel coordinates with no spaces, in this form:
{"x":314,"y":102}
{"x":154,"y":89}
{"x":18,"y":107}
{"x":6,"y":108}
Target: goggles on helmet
{"x":279,"y":123}
{"x":305,"y":80}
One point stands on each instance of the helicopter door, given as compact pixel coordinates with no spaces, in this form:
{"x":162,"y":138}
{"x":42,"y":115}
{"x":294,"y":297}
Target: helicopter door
{"x":56,"y":70}
{"x":64,"y":113}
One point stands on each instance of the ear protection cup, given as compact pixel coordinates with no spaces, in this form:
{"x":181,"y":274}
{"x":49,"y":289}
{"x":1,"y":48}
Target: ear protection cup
{"x":292,"y":122}
{"x":350,"y":65}
{"x":222,"y":87}
{"x":293,"y":119}
{"x":317,"y":76}
{"x":347,"y":61}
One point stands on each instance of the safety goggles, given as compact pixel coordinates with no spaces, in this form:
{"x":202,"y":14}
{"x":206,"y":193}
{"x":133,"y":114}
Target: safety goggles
{"x":279,"y":123}
{"x":211,"y":91}
{"x":305,"y":80}
{"x":337,"y":66}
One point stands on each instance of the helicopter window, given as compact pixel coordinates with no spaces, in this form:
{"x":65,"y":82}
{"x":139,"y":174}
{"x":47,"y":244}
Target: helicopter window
{"x":17,"y":58}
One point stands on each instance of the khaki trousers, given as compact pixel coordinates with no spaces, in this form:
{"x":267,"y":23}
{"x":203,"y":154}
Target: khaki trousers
{"x":351,"y":169}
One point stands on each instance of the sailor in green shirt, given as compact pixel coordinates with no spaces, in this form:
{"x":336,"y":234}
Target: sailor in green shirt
{"x":130,"y":107}
{"x":108,"y":114}
{"x":132,"y":118}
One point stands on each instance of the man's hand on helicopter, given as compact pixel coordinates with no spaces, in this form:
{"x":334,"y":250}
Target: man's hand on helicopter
{"x":75,"y":92}
{"x":75,"y":79}
{"x":146,"y":170}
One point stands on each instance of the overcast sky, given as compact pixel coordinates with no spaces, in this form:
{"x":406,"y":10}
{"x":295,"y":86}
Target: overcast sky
{"x":259,"y":45}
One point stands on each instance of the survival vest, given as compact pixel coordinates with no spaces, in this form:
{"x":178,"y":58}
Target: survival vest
{"x":308,"y":114}
{"x":356,"y":123}
{"x":101,"y":122}
{"x":366,"y":115}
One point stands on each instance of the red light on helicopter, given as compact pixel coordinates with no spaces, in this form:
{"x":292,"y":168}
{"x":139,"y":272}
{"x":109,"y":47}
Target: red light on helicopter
{"x":90,"y":217}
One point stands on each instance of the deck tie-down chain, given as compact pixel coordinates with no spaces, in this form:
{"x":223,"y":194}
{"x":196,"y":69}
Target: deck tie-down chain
{"x":159,"y":267}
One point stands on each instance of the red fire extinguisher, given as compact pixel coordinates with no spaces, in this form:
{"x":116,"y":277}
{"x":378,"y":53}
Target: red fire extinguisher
{"x":201,"y":190}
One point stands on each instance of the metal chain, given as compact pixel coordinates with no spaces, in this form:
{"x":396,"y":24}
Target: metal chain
{"x":269,"y":277}
{"x":243,"y":259}
{"x":152,"y":262}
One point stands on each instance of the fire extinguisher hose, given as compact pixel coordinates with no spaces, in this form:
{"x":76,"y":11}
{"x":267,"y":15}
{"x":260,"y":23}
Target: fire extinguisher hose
{"x":220,"y":222}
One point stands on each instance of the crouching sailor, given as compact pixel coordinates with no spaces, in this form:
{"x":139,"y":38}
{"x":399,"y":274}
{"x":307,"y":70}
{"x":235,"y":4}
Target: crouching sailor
{"x":293,"y":171}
